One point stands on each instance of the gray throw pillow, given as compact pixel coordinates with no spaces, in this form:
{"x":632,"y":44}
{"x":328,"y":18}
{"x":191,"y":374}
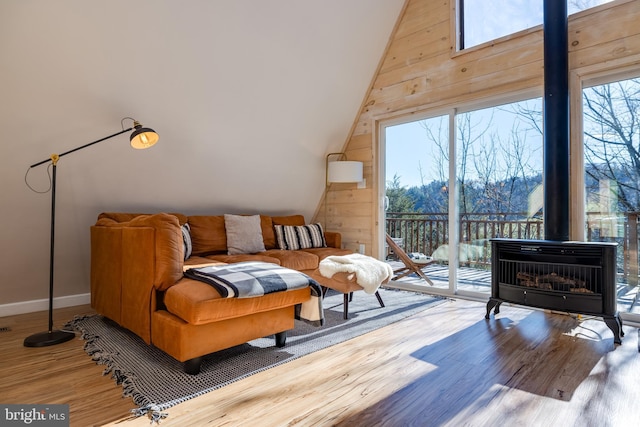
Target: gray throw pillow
{"x":244,"y":234}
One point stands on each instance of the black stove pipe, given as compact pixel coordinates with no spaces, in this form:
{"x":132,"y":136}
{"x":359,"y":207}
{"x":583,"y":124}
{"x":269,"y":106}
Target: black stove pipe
{"x":556,"y":121}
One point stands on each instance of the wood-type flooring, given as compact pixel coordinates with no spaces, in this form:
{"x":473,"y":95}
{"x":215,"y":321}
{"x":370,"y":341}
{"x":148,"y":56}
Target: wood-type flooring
{"x":446,"y":366}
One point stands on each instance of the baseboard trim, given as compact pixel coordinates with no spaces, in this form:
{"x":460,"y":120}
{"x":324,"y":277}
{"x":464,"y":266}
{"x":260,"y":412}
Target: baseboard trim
{"x":43,"y":304}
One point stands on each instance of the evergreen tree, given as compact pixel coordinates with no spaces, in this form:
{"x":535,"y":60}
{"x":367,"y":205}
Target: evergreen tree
{"x":399,"y":199}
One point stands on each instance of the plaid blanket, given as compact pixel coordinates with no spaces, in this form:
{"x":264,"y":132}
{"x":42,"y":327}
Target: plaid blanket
{"x":254,"y":279}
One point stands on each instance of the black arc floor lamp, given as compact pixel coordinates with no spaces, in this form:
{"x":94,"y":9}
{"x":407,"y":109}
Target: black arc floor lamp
{"x":141,"y":138}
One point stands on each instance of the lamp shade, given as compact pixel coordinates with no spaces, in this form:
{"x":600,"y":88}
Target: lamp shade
{"x":143,"y":138}
{"x":344,"y":171}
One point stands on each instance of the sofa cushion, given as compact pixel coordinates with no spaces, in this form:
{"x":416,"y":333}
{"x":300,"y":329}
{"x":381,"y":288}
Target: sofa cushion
{"x":294,"y":237}
{"x":198,"y":261}
{"x":295,"y":260}
{"x":208,"y":234}
{"x":198,"y":303}
{"x":288,"y":220}
{"x":244,"y":234}
{"x":230,"y":259}
{"x":126,"y":217}
{"x":322,"y":253}
{"x":268,"y":236}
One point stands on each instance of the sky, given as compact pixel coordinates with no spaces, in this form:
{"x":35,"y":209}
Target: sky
{"x":408,"y":150}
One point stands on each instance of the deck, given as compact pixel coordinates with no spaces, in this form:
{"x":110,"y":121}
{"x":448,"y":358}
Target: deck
{"x":476,"y":280}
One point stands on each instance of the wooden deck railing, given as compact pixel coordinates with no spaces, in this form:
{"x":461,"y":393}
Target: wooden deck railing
{"x":428,"y":233}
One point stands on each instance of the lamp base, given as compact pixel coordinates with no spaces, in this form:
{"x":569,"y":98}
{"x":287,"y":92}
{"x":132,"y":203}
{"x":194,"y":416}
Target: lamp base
{"x":44,"y":339}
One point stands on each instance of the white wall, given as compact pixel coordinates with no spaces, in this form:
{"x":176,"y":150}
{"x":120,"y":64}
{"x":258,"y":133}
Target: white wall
{"x":248,"y":96}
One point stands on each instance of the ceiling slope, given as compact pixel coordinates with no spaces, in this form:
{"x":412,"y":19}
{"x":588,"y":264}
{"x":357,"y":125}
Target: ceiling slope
{"x":248,"y":97}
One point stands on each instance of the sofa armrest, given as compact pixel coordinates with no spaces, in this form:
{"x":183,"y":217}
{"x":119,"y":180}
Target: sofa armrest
{"x":333,"y":239}
{"x":129,"y":262}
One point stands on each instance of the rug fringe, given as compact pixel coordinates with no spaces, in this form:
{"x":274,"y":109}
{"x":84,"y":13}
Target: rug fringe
{"x":154,"y":413}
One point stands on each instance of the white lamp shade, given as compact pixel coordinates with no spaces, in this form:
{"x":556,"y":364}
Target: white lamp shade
{"x":345,"y":171}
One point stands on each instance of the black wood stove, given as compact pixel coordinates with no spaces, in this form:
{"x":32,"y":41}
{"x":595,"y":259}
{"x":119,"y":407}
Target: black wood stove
{"x":575,"y":277}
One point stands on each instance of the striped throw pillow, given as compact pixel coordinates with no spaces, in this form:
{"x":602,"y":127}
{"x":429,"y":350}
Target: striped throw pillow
{"x":186,"y":240}
{"x":294,"y":237}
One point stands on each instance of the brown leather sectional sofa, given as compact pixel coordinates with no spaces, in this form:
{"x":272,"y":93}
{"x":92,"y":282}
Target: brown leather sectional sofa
{"x":137,"y":264}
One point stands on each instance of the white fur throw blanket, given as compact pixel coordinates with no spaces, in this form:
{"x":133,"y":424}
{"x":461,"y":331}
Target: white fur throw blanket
{"x":370,"y":273}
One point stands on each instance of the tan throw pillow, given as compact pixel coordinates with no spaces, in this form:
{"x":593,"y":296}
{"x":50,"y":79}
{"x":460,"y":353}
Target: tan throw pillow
{"x":244,"y":234}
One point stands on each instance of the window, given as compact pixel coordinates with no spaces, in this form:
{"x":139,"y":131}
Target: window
{"x":485,"y":20}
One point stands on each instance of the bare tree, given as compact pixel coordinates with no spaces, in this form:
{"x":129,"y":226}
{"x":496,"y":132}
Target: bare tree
{"x":584,"y":4}
{"x":469,"y":135}
{"x":485,"y":163}
{"x":518,"y":152}
{"x":488,"y":166}
{"x":612,"y":143}
{"x":439,"y":137}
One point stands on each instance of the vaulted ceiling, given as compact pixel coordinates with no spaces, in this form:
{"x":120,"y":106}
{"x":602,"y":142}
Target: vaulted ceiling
{"x":248,"y":96}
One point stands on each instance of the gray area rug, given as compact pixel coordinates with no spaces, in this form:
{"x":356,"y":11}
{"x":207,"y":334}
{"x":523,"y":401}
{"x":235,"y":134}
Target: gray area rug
{"x":156,"y":381}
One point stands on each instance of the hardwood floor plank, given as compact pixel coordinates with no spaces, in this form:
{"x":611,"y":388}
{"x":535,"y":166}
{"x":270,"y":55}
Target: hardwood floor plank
{"x":446,"y":366}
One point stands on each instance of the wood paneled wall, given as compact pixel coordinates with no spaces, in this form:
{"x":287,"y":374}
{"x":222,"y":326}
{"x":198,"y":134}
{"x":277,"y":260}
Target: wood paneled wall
{"x":421,"y":70}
